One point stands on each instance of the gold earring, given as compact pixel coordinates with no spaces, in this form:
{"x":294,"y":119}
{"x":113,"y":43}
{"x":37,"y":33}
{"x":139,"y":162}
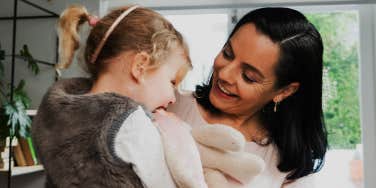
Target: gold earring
{"x":275,"y":106}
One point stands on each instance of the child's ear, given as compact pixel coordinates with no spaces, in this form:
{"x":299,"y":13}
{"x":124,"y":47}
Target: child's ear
{"x":139,"y":66}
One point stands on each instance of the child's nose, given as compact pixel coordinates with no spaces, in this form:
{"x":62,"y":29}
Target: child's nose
{"x":172,"y":99}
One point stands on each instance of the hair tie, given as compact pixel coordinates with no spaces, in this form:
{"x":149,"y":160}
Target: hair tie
{"x":108,"y":32}
{"x":93,"y":20}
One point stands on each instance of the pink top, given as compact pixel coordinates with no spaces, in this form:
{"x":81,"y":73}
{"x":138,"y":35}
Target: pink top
{"x":186,"y":108}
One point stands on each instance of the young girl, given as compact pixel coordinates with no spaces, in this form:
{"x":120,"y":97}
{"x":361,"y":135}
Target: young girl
{"x":97,"y":132}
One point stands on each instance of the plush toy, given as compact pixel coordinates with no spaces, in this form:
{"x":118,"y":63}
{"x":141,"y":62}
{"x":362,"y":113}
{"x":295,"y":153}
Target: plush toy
{"x":182,"y":156}
{"x":226,"y":164}
{"x":220,"y":155}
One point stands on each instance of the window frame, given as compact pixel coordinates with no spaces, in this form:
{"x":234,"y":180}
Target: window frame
{"x":215,"y":4}
{"x":367,"y":53}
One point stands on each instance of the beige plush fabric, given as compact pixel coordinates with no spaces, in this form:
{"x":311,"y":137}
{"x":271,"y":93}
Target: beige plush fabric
{"x":222,"y":149}
{"x":182,"y":155}
{"x":186,"y":108}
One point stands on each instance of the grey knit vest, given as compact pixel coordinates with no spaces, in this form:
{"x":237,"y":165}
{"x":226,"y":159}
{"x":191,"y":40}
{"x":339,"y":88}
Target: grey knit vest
{"x":74,"y":136}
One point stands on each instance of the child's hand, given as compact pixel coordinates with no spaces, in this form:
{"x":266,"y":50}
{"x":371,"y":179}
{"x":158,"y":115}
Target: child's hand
{"x":167,"y":119}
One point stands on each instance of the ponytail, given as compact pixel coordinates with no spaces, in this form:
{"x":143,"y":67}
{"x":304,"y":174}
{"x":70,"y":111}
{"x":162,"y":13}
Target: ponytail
{"x":68,"y":26}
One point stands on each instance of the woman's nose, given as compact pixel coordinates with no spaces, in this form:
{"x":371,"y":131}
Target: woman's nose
{"x":228,"y":73}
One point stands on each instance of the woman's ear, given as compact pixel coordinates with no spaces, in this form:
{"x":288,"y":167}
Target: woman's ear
{"x":139,"y":66}
{"x":286,"y":92}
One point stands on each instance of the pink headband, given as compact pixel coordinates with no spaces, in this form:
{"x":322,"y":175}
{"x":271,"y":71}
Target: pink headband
{"x":109,"y":31}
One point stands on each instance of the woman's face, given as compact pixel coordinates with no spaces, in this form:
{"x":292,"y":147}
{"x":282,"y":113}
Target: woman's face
{"x":243,"y":78}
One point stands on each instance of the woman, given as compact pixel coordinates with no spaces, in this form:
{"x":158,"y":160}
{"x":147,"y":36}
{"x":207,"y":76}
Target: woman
{"x":267,"y":83}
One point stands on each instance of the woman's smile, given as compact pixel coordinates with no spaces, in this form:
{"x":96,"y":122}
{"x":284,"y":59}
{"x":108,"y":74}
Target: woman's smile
{"x":220,"y":91}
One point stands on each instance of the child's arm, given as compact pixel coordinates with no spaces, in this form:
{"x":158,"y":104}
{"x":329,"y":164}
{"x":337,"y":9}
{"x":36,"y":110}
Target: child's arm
{"x":138,"y":142}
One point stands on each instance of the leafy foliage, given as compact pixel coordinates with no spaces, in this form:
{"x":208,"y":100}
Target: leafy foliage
{"x":341,"y":76}
{"x":14,"y":120}
{"x":32,"y":63}
{"x":18,"y":120}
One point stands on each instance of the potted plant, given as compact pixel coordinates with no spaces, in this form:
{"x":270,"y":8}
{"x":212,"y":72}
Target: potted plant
{"x":14,"y":121}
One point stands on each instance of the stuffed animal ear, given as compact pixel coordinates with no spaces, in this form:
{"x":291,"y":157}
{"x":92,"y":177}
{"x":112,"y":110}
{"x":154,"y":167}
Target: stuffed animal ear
{"x":219,"y":136}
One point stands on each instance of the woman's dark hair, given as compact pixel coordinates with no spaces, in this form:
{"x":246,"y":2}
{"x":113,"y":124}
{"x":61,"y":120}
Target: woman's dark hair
{"x":297,"y":128}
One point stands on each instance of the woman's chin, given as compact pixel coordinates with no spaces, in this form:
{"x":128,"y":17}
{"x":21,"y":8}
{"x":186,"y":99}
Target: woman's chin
{"x":219,"y":99}
{"x":217,"y":102}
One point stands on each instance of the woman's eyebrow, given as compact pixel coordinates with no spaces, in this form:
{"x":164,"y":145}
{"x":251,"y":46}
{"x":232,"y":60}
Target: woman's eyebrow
{"x":246,"y":65}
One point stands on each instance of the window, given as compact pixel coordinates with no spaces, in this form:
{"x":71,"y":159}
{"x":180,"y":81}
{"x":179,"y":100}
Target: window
{"x":205,"y":35}
{"x":340,"y":33}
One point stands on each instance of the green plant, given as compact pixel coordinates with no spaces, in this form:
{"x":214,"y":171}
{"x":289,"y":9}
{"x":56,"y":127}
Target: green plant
{"x":341,"y":78}
{"x":14,"y":121}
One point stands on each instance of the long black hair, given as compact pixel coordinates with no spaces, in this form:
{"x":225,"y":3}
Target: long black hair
{"x":297,"y":128}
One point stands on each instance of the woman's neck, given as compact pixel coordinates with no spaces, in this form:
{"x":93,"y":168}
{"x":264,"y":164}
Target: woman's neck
{"x":249,"y":126}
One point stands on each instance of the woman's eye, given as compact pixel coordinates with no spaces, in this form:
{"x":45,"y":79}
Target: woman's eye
{"x":173,"y":82}
{"x":248,"y":79}
{"x":227,"y":54}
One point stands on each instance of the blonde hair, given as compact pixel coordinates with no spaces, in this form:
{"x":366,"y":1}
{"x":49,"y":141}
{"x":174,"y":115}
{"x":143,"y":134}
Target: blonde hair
{"x":141,"y":30}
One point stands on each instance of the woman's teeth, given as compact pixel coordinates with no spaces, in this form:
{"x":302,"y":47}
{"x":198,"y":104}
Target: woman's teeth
{"x":223,"y":89}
